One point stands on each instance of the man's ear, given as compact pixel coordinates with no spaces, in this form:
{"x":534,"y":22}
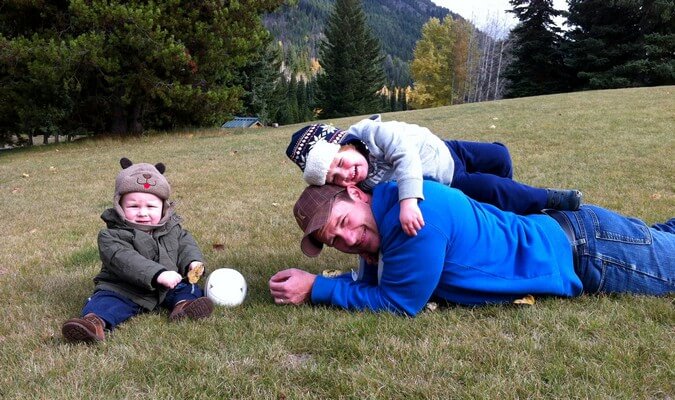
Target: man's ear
{"x":357,"y":194}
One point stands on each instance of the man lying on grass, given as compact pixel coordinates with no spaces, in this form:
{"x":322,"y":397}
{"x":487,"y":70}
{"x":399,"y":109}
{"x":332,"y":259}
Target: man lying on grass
{"x":469,"y":252}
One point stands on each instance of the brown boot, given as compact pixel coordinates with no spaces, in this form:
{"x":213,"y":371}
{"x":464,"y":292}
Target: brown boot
{"x":87,"y":329}
{"x":193,"y":309}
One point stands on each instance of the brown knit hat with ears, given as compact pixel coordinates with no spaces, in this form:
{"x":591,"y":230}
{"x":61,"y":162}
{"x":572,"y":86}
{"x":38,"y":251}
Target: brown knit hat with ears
{"x":145,"y":178}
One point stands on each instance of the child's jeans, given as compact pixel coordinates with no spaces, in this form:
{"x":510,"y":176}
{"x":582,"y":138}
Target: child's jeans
{"x":115,"y":309}
{"x":484,"y":171}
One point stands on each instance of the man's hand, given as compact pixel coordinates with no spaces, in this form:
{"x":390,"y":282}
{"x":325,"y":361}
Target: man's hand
{"x":291,"y":286}
{"x":411,"y":217}
{"x":169,"y":279}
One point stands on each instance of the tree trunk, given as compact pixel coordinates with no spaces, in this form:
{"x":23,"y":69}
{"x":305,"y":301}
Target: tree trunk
{"x":499,"y":70}
{"x":492,"y":58}
{"x":136,"y":114}
{"x":483,"y":67}
{"x":471,"y":82}
{"x":118,"y":125}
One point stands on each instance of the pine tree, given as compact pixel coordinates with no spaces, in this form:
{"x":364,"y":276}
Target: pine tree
{"x":259,"y":79}
{"x":402,"y":101}
{"x":352,"y":64}
{"x":125,"y":65}
{"x":621,"y":43}
{"x":658,"y":25}
{"x":292,"y":100}
{"x":392,"y":99}
{"x":304,"y":107}
{"x":537,"y":65}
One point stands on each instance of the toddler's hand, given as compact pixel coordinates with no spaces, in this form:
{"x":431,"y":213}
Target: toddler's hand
{"x":411,"y":217}
{"x":196,"y":269}
{"x":169,"y":279}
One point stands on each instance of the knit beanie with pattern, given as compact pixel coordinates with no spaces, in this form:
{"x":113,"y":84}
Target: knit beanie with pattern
{"x":313,"y":148}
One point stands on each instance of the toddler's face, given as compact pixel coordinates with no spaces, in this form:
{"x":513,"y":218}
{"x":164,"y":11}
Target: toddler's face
{"x":142,"y":208}
{"x":349,"y":167}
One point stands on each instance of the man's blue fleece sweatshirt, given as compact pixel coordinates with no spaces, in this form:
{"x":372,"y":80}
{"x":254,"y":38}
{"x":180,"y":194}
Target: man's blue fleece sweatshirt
{"x":467,"y":253}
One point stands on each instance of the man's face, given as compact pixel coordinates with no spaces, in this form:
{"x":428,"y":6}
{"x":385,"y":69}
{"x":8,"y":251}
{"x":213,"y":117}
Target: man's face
{"x":351,"y":228}
{"x":349,"y":167}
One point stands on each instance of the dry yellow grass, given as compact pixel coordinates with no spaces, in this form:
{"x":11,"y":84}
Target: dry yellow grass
{"x":236,"y":189}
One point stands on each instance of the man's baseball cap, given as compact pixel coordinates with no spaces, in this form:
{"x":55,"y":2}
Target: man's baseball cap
{"x":311,"y":213}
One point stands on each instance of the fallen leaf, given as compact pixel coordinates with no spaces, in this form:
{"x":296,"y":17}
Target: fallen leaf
{"x":195,"y":273}
{"x":527,"y":300}
{"x":331,"y":273}
{"x":218,"y":246}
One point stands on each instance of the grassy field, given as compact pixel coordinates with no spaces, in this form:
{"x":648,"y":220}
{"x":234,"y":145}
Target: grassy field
{"x":236,"y":190}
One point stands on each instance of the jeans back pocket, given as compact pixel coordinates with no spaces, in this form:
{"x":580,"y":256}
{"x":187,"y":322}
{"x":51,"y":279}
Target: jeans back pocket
{"x":613,"y":227}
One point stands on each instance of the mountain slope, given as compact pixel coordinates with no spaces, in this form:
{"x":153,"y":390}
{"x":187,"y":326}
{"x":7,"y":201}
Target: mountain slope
{"x":397,"y":23}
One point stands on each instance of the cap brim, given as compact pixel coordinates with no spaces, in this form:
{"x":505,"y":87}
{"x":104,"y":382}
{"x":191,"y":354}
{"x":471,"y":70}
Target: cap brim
{"x":310,"y":246}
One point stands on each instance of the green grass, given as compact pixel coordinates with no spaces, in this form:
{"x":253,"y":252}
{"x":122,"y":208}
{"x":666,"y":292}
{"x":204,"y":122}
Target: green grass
{"x":237,"y":189}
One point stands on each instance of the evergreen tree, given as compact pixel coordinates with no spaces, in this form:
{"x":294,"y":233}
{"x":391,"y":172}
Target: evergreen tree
{"x":658,"y":24}
{"x":280,"y":114}
{"x":621,"y":43}
{"x":259,"y":79}
{"x":125,"y":65}
{"x":392,"y":99}
{"x":402,"y":100}
{"x":292,"y":99}
{"x":537,"y":65}
{"x":352,"y":64}
{"x":304,"y":108}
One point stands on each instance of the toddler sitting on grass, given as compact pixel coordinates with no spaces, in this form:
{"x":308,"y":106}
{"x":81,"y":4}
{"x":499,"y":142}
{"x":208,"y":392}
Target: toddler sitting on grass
{"x":145,"y":255}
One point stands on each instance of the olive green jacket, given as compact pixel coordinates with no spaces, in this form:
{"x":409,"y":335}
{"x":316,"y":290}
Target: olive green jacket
{"x":132,"y":259}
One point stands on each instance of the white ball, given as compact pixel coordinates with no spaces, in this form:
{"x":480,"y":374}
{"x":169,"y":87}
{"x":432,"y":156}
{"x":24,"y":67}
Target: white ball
{"x":226,"y":287}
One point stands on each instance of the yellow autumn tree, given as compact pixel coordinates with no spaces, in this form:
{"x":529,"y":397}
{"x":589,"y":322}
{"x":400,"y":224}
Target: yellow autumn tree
{"x":440,"y":67}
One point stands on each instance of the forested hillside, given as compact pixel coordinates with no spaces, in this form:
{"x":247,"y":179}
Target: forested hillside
{"x":397,"y":23}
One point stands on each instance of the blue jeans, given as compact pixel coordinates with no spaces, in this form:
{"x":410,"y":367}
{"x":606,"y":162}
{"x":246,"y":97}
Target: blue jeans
{"x":115,"y":309}
{"x":618,"y":254}
{"x":484,"y":172}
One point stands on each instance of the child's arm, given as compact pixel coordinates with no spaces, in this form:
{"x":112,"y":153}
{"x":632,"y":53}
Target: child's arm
{"x":398,"y":145}
{"x":411,"y":216}
{"x":121,"y":258}
{"x":188,"y":253}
